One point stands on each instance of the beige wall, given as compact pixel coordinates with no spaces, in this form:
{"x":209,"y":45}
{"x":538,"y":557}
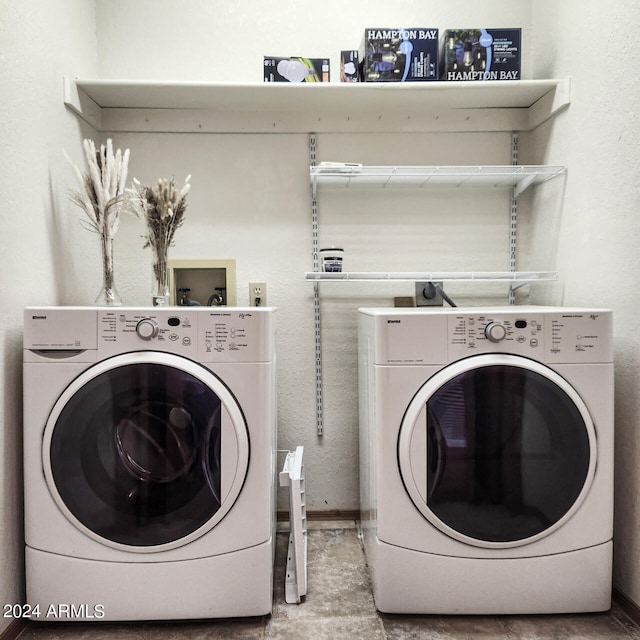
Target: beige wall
{"x":39,"y":42}
{"x":599,"y":231}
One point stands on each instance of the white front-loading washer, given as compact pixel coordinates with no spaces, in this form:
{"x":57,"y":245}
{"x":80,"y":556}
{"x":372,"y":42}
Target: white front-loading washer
{"x":486,"y":459}
{"x":149,"y":442}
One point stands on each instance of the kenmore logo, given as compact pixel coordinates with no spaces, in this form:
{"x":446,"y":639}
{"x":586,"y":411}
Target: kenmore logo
{"x":394,"y":321}
{"x":39,"y":317}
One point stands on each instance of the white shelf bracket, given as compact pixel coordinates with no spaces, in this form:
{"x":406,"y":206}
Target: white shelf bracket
{"x":523,"y":185}
{"x":81,"y":104}
{"x":550,"y":104}
{"x":292,"y":476}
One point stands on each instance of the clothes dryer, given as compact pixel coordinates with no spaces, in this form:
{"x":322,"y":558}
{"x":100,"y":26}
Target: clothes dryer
{"x":149,"y":440}
{"x":486,"y":459}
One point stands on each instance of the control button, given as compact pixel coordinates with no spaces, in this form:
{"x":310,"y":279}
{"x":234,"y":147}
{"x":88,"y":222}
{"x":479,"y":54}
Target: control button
{"x":495,"y":332}
{"x":147,"y":329}
{"x":533,"y":342}
{"x":173,"y":337}
{"x":520,"y":339}
{"x":173,"y":321}
{"x":186,"y":341}
{"x":521,"y":324}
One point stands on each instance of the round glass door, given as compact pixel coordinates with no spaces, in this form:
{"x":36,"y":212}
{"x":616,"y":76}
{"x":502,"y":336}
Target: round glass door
{"x":145,"y":451}
{"x":497,"y":451}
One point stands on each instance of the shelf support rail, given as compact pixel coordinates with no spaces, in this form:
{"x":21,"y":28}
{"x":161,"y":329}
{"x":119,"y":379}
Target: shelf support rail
{"x":513,"y":217}
{"x":316,"y":291}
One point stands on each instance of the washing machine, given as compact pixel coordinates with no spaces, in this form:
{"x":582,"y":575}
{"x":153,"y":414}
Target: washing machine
{"x":149,"y":440}
{"x":486,"y":459}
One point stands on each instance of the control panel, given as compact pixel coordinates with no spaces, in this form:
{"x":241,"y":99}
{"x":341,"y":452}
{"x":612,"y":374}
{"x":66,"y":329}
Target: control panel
{"x":484,"y":333}
{"x":557,"y":337}
{"x":172,"y":330}
{"x":203,"y":334}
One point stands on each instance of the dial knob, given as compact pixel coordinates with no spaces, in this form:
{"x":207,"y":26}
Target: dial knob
{"x":495,"y":332}
{"x":147,"y":329}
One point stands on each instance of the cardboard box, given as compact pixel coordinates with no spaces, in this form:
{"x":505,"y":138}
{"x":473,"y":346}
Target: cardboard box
{"x":399,"y":55}
{"x":296,"y":69}
{"x":481,"y":54}
{"x":349,"y":67}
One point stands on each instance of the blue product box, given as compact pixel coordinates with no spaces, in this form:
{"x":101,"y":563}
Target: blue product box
{"x":399,"y":54}
{"x":481,"y":54}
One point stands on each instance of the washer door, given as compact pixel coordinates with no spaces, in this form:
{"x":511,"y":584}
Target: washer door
{"x":145,"y":451}
{"x":497,"y":450}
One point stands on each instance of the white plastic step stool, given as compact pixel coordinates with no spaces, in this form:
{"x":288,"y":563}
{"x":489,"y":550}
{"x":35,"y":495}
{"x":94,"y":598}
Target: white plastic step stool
{"x":292,"y":476}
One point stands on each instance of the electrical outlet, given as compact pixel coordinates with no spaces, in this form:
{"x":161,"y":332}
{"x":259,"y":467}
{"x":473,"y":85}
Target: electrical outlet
{"x":257,"y":294}
{"x":428,"y":295}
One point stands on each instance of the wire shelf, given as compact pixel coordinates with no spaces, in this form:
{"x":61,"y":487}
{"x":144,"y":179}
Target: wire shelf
{"x":517,"y":177}
{"x":514,"y":277}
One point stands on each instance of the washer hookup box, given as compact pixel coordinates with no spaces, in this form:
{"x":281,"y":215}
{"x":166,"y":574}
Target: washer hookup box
{"x":399,"y":55}
{"x":481,"y":54}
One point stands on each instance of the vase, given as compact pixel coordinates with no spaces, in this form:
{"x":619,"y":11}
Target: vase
{"x":108,"y":296}
{"x":160,"y":295}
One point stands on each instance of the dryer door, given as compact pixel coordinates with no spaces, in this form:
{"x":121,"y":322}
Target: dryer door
{"x":146,"y":451}
{"x":497,"y":450}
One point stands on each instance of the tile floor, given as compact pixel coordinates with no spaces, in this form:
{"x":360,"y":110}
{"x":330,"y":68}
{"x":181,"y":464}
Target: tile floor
{"x":339,"y":606}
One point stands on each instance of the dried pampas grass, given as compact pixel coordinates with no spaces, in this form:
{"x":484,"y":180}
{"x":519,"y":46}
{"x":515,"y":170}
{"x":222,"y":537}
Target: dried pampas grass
{"x":102,"y":187}
{"x":162,"y":207}
{"x":101,"y":195}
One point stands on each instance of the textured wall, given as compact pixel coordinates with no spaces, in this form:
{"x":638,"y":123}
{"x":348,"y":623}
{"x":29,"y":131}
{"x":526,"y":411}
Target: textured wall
{"x":226,"y":41}
{"x":599,"y":227}
{"x":39,"y":42}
